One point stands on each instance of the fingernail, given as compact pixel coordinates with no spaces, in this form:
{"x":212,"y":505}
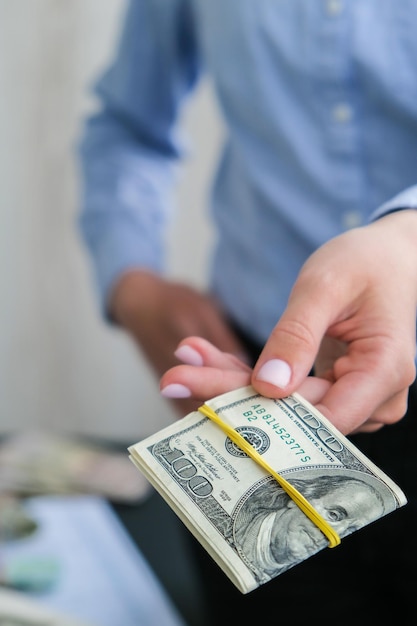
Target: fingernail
{"x":188,"y":355}
{"x":276,"y":372}
{"x":175,"y":390}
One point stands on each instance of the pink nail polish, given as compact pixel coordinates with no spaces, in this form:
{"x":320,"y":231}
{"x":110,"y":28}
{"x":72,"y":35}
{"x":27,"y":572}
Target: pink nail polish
{"x":188,"y":355}
{"x":175,"y":390}
{"x":275,"y":372}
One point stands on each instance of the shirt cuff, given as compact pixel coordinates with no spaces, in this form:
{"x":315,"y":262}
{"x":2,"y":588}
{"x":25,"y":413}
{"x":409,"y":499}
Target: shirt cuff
{"x":406,"y":199}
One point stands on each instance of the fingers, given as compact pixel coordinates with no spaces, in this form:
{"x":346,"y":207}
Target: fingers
{"x":350,"y":405}
{"x":290,"y":352}
{"x":185,"y":381}
{"x":313,"y":389}
{"x":356,"y":398}
{"x":208,"y":371}
{"x":198,"y":351}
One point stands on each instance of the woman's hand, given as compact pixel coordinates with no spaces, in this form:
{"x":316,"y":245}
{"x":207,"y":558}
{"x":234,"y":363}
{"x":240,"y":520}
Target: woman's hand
{"x":351,"y":315}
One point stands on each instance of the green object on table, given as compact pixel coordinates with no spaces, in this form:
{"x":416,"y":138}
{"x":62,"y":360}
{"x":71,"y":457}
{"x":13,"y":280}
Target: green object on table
{"x":31,"y":573}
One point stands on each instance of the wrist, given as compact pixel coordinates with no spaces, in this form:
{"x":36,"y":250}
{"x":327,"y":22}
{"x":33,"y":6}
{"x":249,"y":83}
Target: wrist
{"x":131,"y":295}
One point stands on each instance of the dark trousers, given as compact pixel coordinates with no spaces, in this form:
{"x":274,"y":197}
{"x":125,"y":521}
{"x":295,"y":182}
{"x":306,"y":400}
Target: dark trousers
{"x":370,"y":577}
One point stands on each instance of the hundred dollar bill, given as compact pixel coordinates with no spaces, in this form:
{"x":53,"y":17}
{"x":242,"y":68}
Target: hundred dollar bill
{"x":236,"y":509}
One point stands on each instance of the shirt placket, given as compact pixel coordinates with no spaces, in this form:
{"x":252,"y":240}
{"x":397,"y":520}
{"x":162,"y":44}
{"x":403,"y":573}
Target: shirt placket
{"x":339,"y":109}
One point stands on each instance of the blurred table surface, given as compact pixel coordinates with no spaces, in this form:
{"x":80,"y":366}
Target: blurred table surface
{"x":103,"y":579}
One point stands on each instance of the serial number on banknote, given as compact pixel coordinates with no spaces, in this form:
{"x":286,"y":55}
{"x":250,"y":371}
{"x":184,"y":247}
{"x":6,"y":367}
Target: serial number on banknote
{"x":258,"y":413}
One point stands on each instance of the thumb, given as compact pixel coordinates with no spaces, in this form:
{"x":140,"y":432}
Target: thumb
{"x":289,"y":354}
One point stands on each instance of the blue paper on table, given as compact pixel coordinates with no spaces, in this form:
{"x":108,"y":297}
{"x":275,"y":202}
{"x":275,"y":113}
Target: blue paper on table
{"x":102,"y":578}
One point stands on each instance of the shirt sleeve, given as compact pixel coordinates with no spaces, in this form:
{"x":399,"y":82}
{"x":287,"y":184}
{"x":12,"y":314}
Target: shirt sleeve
{"x":130,"y":148}
{"x":406,"y":199}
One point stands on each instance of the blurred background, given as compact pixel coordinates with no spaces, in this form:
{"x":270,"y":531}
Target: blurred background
{"x":61,"y":366}
{"x":63,"y":369}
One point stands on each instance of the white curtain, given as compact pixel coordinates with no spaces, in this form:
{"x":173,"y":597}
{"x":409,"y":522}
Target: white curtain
{"x":61,"y":366}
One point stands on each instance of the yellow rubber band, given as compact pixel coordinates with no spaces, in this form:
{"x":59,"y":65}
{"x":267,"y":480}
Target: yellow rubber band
{"x":299,"y":499}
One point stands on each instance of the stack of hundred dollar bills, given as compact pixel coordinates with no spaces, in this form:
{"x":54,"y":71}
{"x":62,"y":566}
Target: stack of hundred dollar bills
{"x":236,"y":509}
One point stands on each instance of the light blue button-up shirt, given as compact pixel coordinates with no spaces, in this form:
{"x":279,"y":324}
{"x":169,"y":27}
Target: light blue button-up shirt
{"x":319,"y":99}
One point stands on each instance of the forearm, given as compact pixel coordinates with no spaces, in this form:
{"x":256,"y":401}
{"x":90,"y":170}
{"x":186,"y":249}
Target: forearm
{"x":125,"y":204}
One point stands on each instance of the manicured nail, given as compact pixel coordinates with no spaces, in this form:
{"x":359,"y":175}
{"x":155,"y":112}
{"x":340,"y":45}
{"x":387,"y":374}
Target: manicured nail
{"x":175,"y":390}
{"x":276,"y":372}
{"x":188,"y":355}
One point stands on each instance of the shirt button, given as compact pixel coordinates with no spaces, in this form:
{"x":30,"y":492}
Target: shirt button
{"x":342,"y":113}
{"x":351,"y":219}
{"x":334,"y":7}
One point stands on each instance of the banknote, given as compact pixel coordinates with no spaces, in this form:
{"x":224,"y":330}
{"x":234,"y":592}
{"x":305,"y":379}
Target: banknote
{"x":245,"y":519}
